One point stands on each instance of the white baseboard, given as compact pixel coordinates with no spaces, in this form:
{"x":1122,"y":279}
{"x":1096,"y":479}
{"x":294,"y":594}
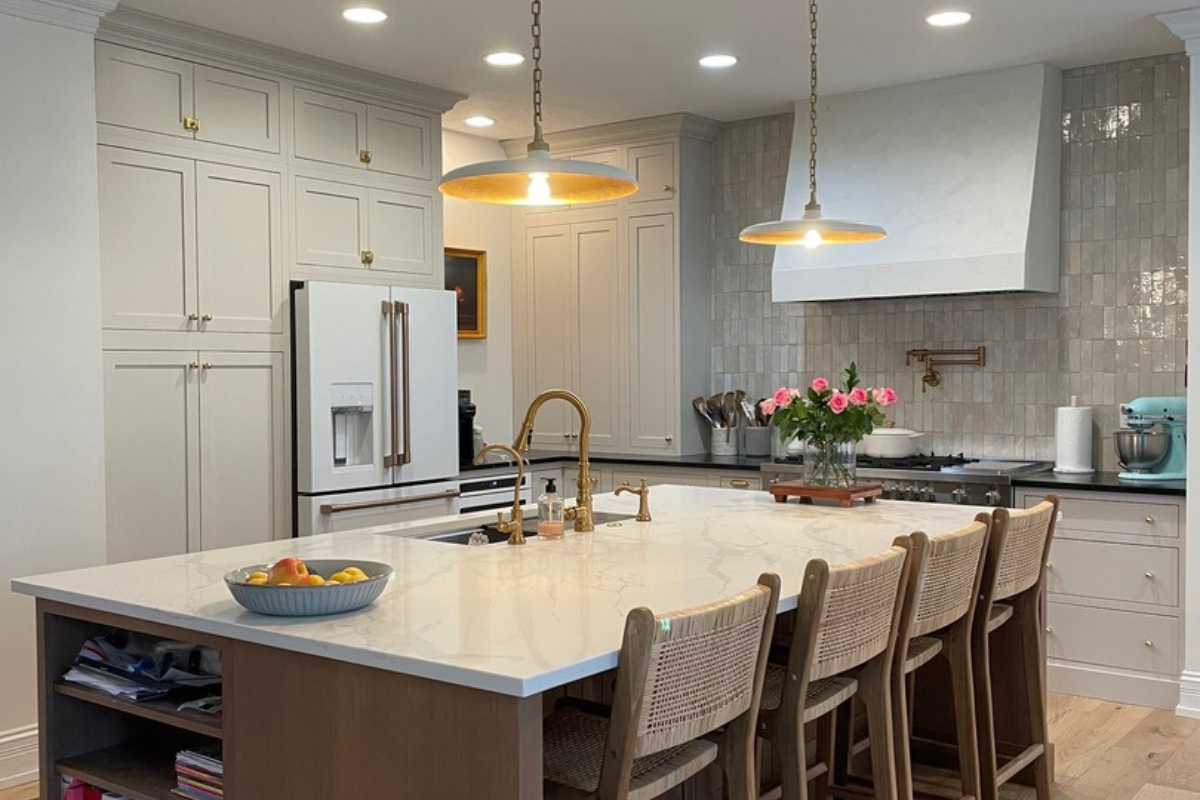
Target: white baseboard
{"x":18,"y":756}
{"x":1189,"y":695}
{"x":1115,"y":685}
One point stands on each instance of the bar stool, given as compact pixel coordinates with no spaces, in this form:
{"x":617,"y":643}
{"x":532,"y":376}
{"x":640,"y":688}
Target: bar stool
{"x":846,"y":621}
{"x":1011,"y":593}
{"x":679,"y":676}
{"x":935,"y":619}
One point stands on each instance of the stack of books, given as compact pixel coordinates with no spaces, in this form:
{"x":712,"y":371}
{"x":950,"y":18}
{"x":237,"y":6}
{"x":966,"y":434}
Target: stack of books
{"x":199,"y":773}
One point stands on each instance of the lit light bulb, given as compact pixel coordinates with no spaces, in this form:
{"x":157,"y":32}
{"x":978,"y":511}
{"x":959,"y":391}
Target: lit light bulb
{"x":539,"y":187}
{"x":812,"y":239}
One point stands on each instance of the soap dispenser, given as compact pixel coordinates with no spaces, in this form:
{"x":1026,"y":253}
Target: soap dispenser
{"x":550,"y":512}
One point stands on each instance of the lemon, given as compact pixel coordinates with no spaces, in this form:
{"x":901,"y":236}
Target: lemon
{"x":255,"y":576}
{"x":256,"y":581}
{"x":341,"y":577}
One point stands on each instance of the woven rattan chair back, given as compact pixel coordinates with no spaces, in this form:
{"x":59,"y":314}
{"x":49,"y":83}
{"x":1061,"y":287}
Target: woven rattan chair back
{"x":1024,"y":543}
{"x":949,"y":566}
{"x":853,"y":606}
{"x":692,"y":671}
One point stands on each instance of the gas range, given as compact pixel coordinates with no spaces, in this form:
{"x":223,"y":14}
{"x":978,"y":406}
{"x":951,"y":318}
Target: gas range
{"x":929,"y":478}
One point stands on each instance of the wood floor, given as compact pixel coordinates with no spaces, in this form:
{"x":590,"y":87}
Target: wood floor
{"x":1104,"y":752}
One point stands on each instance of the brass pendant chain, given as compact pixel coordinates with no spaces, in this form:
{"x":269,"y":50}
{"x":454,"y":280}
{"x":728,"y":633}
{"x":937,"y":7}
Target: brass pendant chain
{"x":537,"y":76}
{"x":813,"y":205}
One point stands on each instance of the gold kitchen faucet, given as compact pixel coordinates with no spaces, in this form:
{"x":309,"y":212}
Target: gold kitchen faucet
{"x":581,"y":513}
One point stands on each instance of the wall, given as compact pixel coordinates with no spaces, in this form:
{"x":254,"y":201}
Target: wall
{"x":51,"y":440}
{"x":484,"y":365}
{"x":1115,"y":330}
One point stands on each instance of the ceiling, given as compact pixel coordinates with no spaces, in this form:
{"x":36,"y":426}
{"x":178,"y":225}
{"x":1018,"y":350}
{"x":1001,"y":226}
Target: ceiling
{"x":610,"y":60}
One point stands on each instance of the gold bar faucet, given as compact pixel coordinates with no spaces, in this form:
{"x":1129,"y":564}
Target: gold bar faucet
{"x":643,"y":494}
{"x":581,"y":514}
{"x":514,"y":526}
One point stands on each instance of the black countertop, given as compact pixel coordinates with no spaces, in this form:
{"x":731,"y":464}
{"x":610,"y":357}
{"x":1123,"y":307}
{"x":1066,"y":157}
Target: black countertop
{"x":697,"y":461}
{"x":1100,"y":482}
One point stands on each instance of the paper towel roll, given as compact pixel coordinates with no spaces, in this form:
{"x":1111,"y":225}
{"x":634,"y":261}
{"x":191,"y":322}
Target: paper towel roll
{"x":1073,"y":440}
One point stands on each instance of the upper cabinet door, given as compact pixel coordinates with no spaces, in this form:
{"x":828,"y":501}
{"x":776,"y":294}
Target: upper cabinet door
{"x":139,"y":90}
{"x":243,"y":463}
{"x":147,"y":240}
{"x":239,"y":249}
{"x":152,"y":462}
{"x":331,"y":224}
{"x":330,"y":129}
{"x":400,"y":143}
{"x":654,"y":167}
{"x":401,"y":232}
{"x":236,"y":109}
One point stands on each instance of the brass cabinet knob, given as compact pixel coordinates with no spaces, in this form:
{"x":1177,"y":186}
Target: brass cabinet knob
{"x":1149,"y":644}
{"x":566,"y":436}
{"x":668,"y":187}
{"x":669,"y":439}
{"x":193,"y":317}
{"x":206,"y":317}
{"x":368,"y":257}
{"x":1149,"y":576}
{"x":191,"y":124}
{"x":206,"y":365}
{"x":1049,"y":630}
{"x":364,"y":156}
{"x":1049,"y":565}
{"x":595,"y":481}
{"x":1149,"y":520}
{"x":193,"y":365}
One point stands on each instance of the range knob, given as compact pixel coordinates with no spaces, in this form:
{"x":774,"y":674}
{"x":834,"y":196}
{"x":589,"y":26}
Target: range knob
{"x":910,"y":491}
{"x":926,"y":494}
{"x":959,"y":496}
{"x":888,"y":491}
{"x":992,"y":498}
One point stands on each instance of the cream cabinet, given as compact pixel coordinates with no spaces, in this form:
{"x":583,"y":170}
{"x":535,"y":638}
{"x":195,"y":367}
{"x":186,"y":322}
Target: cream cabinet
{"x":574,"y":330}
{"x":148,"y":92}
{"x":189,"y":245}
{"x":1114,"y":596}
{"x":194,"y":451}
{"x":345,"y":226}
{"x":639,"y":342}
{"x":348,"y":133}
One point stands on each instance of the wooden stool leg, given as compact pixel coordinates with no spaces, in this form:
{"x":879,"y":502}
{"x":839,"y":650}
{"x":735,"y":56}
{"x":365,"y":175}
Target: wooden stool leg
{"x":825,"y":754}
{"x":984,"y":726}
{"x":843,"y":741}
{"x":957,"y":649}
{"x":875,"y":687}
{"x":900,"y":733}
{"x":792,"y":761}
{"x":1029,"y":618}
{"x":738,"y":750}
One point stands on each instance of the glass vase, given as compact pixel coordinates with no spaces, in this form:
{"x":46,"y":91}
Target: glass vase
{"x":829,"y":463}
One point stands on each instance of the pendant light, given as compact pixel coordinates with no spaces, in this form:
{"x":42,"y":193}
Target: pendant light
{"x":538,"y":179}
{"x":812,"y":230}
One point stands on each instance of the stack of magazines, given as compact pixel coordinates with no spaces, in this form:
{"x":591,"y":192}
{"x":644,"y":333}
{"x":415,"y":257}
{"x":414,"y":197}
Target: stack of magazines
{"x":199,"y":773}
{"x":134,"y":667}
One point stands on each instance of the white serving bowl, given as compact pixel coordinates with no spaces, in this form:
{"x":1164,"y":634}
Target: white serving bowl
{"x":307,"y":601}
{"x":891,"y":443}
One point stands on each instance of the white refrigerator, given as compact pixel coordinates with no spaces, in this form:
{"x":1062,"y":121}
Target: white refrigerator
{"x":376,"y":426}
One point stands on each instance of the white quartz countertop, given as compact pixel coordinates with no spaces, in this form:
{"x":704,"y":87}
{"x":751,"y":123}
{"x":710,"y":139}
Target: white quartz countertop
{"x":512,"y":620}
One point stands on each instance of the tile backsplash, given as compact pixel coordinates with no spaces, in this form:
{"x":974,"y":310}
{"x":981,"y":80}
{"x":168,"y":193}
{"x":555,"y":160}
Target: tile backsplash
{"x":1115,"y":330}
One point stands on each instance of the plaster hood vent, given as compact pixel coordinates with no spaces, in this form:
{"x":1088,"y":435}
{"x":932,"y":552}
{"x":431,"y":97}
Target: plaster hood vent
{"x":962,"y":172}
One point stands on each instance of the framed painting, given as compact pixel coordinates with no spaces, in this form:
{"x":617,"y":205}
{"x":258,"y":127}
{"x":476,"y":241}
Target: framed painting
{"x":466,"y":276}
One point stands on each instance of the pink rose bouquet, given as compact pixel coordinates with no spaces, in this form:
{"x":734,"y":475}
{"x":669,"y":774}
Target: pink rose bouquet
{"x":824,"y":413}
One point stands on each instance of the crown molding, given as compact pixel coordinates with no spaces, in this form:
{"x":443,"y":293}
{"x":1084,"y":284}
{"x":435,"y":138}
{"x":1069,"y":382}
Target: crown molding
{"x":687,"y":126}
{"x":1186,"y":25}
{"x":76,"y":15}
{"x":148,"y":31}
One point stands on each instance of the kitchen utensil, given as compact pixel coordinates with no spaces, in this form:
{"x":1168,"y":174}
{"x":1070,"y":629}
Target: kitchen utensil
{"x":701,"y":406}
{"x":748,"y":413}
{"x":716,"y":410}
{"x":1154,"y":446}
{"x":763,"y":418}
{"x":1140,"y":451}
{"x":891,"y":443}
{"x":730,"y":406}
{"x":305,"y":601}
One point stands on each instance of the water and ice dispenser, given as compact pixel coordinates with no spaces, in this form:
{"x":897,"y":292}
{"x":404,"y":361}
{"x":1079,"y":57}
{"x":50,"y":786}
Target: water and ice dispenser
{"x":353,"y":408}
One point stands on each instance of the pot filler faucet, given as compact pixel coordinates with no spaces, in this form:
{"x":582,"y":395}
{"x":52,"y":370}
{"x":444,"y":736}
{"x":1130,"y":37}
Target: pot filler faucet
{"x":581,"y":514}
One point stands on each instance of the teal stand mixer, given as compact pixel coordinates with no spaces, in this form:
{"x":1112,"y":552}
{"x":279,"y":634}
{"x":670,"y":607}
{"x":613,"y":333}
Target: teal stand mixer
{"x":1153,"y":446}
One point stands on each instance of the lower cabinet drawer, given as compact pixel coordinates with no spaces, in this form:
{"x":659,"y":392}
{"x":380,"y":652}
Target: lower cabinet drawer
{"x":1117,"y":516}
{"x":1130,"y":572}
{"x":1123,"y":639}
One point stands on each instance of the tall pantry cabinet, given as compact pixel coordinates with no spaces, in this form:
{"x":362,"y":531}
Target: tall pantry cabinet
{"x":613,"y":300}
{"x":211,"y":151}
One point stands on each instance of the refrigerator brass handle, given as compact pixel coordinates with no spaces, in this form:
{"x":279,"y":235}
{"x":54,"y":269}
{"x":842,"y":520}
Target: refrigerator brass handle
{"x":406,"y":456}
{"x":339,"y":508}
{"x":389,"y":312}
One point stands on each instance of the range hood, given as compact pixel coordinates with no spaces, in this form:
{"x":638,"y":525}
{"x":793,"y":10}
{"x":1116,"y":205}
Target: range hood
{"x":962,"y":172}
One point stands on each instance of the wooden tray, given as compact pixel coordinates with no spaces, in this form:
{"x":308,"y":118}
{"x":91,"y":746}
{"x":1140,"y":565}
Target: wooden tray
{"x":845,"y":495}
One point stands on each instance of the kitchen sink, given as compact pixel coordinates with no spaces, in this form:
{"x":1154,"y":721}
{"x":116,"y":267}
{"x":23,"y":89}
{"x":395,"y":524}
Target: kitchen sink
{"x":530,"y":527}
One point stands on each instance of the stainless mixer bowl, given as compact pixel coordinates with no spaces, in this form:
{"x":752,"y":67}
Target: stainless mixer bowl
{"x":1141,"y":451}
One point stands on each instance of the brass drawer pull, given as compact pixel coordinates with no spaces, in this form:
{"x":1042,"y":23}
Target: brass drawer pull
{"x":1149,"y":643}
{"x":1149,"y":520}
{"x":1049,"y":630}
{"x":739,"y":483}
{"x":191,"y":124}
{"x":1049,"y":565}
{"x":364,"y":156}
{"x":1149,"y":576}
{"x":669,"y":439}
{"x":368,"y":257}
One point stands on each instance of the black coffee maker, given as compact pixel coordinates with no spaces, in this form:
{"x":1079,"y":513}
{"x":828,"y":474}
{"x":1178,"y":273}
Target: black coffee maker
{"x":466,"y":427}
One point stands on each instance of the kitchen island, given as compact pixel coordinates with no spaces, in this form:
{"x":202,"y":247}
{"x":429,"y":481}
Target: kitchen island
{"x":435,"y":690}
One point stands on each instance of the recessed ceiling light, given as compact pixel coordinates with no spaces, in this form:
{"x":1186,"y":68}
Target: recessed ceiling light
{"x":504,"y":59}
{"x":367,"y":16}
{"x":948,"y":19}
{"x":480,"y":122}
{"x":718,"y":61}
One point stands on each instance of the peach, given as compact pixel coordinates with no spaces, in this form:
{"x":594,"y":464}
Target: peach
{"x":287,"y":571}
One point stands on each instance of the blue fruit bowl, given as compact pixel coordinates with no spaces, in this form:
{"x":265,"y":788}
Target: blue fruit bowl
{"x":310,"y":601}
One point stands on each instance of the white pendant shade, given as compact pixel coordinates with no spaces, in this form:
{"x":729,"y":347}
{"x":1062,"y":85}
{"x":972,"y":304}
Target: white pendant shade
{"x":538,"y":180}
{"x":812,"y":230}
